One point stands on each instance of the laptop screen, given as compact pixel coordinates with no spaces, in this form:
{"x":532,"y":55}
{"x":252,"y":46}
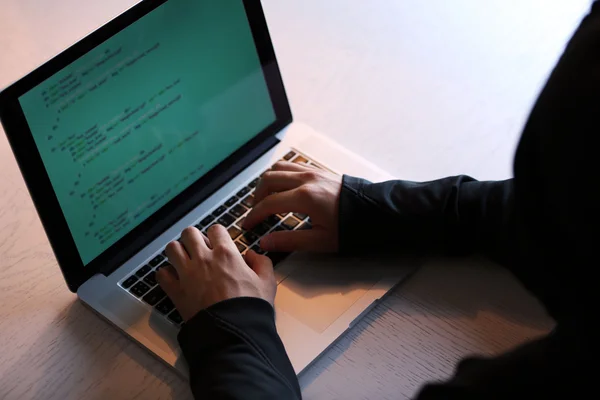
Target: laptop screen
{"x":134,"y":122}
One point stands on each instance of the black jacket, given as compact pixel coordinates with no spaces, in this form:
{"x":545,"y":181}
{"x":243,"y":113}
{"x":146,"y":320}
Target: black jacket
{"x":543,"y":226}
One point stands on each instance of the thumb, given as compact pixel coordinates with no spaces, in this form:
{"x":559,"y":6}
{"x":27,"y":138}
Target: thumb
{"x":169,"y":282}
{"x":261,"y":265}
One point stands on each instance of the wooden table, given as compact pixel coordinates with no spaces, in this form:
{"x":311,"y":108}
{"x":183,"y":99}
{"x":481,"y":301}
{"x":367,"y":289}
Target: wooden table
{"x":444,"y":87}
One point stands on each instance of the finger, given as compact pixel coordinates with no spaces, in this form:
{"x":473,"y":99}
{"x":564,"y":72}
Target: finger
{"x":206,"y":241}
{"x":304,"y":240}
{"x":219,"y":237}
{"x":177,"y":256}
{"x":291,"y":167}
{"x":194,"y":242}
{"x":276,"y":181}
{"x":261,"y":265}
{"x":289,"y":201}
{"x":169,"y":282}
{"x":168,"y":273}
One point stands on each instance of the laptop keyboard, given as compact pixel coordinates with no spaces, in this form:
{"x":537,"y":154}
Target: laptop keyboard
{"x":142,"y":283}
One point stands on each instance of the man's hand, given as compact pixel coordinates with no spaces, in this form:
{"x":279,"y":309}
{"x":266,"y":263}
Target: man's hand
{"x":290,"y":187}
{"x":208,"y":271}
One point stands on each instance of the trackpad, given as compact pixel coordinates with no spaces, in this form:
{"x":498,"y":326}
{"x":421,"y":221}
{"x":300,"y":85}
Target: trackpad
{"x":319,"y":290}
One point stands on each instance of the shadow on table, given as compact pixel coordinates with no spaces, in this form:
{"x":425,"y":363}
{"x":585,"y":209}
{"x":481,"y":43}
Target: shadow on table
{"x":454,"y":286}
{"x":447,"y":294}
{"x":355,"y":270}
{"x":331,"y":355}
{"x":466,"y":287}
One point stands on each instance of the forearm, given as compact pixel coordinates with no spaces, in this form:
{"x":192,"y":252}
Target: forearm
{"x":455,"y":215}
{"x":234,"y":352}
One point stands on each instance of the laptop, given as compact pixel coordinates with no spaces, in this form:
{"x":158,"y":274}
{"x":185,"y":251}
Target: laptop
{"x":165,"y":118}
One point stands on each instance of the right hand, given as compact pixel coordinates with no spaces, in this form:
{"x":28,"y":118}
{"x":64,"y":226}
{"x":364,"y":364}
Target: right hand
{"x":290,"y":187}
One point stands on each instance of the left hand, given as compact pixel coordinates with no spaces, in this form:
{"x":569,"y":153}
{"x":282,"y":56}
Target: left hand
{"x":206,"y":272}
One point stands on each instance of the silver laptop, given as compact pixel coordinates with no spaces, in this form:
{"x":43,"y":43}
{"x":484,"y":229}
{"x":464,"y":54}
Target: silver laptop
{"x":164,"y":118}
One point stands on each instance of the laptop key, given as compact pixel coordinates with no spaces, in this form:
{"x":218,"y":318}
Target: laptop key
{"x":289,"y":156}
{"x":245,"y":190}
{"x":206,"y":221}
{"x":240,"y":247}
{"x":150,"y":279}
{"x":139,"y":289}
{"x":254,"y":183}
{"x":272,"y":220}
{"x":305,"y":226}
{"x":165,"y":306}
{"x":155,"y":295}
{"x":300,"y":216}
{"x":238,"y":210}
{"x":143,"y":271}
{"x":258,"y":250}
{"x":226,"y":220}
{"x":129,"y":282}
{"x":300,"y":160}
{"x":290,"y":223}
{"x":176,"y":317}
{"x":231,"y":201}
{"x":240,"y":222}
{"x":279,"y":228}
{"x":261,"y":229}
{"x":234,"y":232}
{"x":248,"y":238}
{"x":156,"y":260}
{"x":218,"y":212}
{"x":249,"y":201}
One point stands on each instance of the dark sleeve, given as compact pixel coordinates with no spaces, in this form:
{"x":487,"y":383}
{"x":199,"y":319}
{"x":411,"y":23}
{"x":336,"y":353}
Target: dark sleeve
{"x":452,"y":216}
{"x":234,"y":352}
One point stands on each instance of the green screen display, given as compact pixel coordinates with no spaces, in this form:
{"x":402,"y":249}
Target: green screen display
{"x":134,"y":122}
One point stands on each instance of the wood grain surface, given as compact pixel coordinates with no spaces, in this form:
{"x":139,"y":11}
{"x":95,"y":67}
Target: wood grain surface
{"x":423,"y":89}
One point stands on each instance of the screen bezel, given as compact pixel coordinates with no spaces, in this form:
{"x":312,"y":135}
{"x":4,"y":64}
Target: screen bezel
{"x":40,"y":187}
